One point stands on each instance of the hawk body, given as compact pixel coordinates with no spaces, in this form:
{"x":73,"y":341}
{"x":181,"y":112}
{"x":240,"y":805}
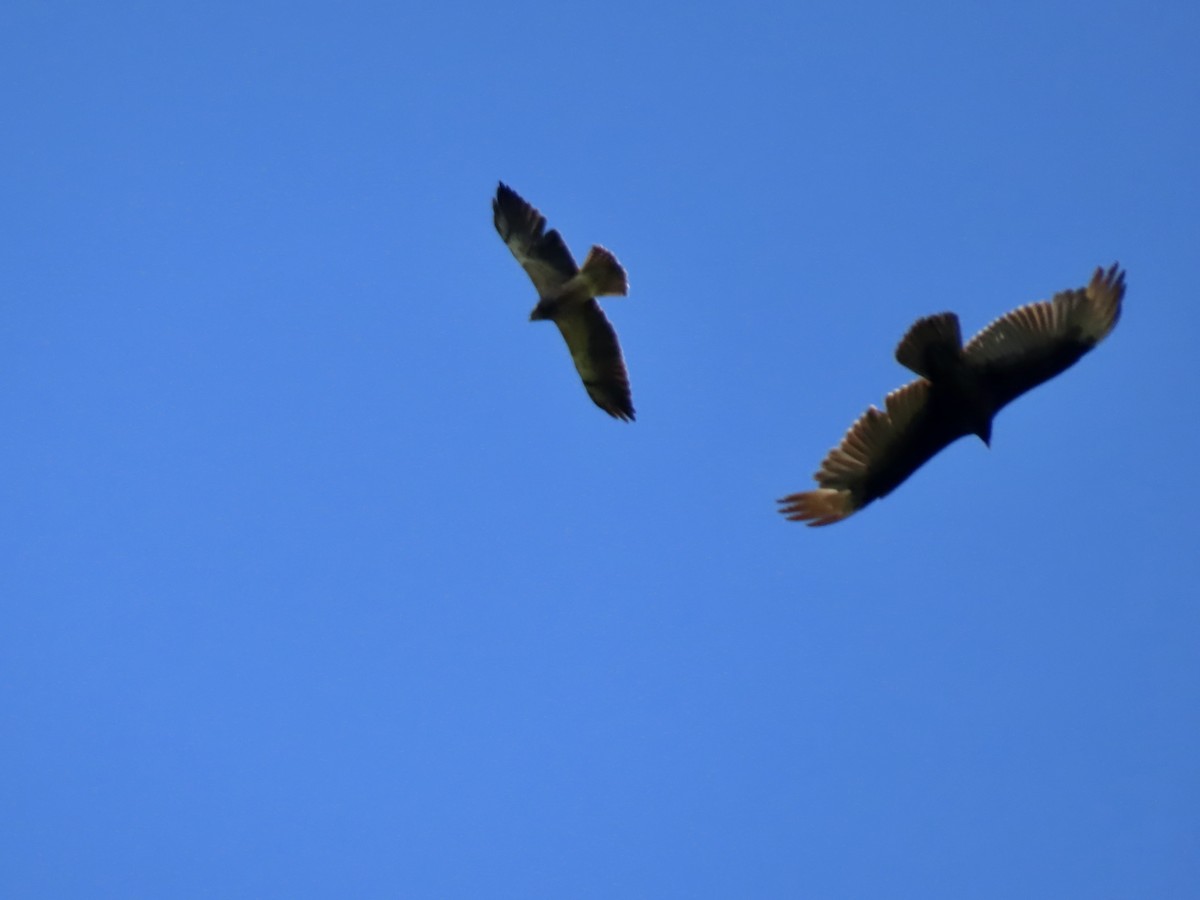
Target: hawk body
{"x":567,"y":297}
{"x":959,"y":392}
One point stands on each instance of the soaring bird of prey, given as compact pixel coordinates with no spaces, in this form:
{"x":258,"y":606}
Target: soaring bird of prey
{"x":567,"y":297}
{"x":959,"y":392}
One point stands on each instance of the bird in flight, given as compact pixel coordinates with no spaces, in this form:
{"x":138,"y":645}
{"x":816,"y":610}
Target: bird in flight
{"x":959,"y":392}
{"x":567,"y":297}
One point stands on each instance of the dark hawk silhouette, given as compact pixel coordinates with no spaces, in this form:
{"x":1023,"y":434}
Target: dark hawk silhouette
{"x":959,"y":392}
{"x":567,"y":297}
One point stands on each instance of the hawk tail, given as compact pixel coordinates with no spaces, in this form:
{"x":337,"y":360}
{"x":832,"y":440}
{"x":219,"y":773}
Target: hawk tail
{"x":931,"y":346}
{"x":602,"y":275}
{"x":820,"y":507}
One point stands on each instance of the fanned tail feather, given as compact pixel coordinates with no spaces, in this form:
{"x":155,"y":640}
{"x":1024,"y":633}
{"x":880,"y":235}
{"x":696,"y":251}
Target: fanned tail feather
{"x":601,"y":275}
{"x":820,"y":507}
{"x":931,"y":346}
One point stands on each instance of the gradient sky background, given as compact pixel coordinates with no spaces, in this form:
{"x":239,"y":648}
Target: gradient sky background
{"x":322,"y":577}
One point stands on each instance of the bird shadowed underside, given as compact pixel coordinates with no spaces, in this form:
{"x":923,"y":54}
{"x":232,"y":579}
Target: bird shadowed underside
{"x":567,"y":297}
{"x":959,"y":392}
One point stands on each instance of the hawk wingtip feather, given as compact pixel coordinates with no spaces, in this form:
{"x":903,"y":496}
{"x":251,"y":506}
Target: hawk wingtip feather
{"x":1106,"y":291}
{"x":822,"y":506}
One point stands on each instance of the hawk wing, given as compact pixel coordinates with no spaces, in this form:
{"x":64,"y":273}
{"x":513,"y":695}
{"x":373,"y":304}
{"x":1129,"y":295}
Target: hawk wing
{"x":597,"y":357}
{"x":1035,"y":342}
{"x":542,"y":254}
{"x":879,"y":452}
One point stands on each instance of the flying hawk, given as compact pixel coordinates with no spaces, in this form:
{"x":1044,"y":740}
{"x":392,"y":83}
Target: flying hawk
{"x":567,"y":297}
{"x":959,"y":392}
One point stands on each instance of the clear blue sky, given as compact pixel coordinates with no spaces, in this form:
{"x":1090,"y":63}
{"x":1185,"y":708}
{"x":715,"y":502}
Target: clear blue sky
{"x":320,"y":576}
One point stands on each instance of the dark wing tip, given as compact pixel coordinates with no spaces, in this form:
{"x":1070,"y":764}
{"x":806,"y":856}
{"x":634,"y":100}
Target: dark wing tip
{"x":612,"y":395}
{"x":1097,"y":308}
{"x":506,"y":194}
{"x":1111,"y":281}
{"x":823,"y":506}
{"x":1109,"y":287}
{"x":512,"y":214}
{"x":620,"y":403}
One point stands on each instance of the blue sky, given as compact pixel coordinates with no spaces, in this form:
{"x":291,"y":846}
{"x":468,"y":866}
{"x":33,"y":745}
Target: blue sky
{"x":322,"y":577}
